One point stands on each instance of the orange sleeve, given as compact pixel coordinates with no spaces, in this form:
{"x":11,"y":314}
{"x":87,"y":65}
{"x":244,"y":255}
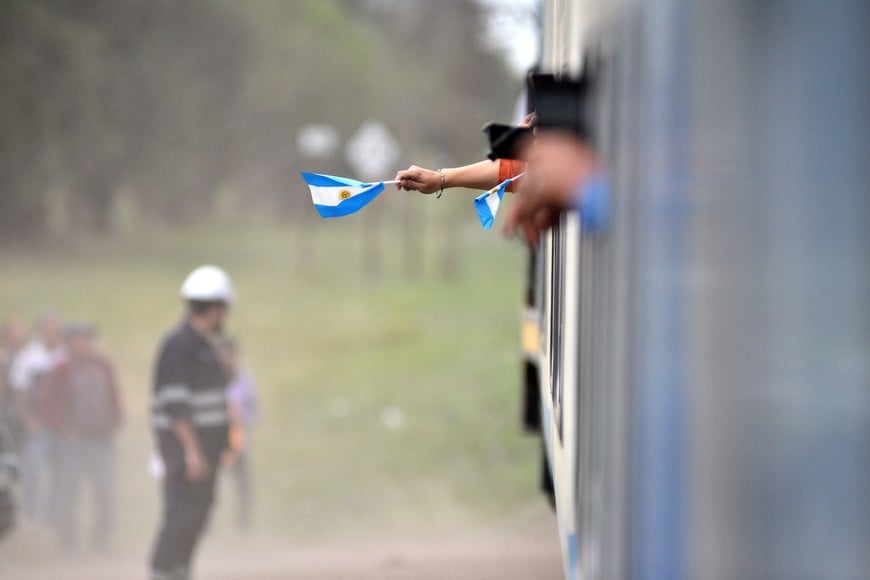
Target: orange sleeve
{"x":508,"y":168}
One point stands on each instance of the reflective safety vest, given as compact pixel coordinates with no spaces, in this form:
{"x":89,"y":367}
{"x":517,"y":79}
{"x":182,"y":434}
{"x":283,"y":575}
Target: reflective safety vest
{"x":190,"y":383}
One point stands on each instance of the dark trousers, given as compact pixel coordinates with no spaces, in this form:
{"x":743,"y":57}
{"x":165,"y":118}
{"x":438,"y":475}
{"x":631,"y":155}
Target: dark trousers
{"x":186,"y":507}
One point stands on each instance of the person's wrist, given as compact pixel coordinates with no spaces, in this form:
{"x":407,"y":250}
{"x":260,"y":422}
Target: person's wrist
{"x":442,"y":182}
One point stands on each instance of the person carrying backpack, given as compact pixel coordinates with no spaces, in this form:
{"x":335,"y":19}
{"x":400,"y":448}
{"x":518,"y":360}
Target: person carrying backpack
{"x":82,"y":404}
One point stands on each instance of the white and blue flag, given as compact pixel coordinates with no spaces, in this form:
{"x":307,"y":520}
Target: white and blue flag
{"x":340,"y":196}
{"x":487,"y":203}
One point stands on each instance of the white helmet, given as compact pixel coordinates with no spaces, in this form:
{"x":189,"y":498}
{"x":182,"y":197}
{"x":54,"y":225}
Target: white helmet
{"x":208,"y":284}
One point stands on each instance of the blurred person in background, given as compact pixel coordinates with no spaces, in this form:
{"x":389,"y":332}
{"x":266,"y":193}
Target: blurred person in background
{"x":83,"y":405}
{"x":13,"y":338}
{"x":8,"y":476}
{"x":39,"y":455}
{"x":190,"y":419}
{"x":244,"y":410}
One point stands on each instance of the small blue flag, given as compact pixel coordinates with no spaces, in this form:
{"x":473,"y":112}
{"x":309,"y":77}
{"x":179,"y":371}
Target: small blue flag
{"x":487,"y":203}
{"x":340,"y":196}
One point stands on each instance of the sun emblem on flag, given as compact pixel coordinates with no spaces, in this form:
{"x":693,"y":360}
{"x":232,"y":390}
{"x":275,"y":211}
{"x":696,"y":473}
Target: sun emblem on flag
{"x":344,"y":194}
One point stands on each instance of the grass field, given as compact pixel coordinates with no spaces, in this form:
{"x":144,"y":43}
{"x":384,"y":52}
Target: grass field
{"x":331,"y":352}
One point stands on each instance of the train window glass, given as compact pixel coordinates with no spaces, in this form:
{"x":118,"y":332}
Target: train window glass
{"x":557,"y":303}
{"x":531,"y":269}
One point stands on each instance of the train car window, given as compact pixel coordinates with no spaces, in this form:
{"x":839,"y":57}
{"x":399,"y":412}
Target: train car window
{"x":557,"y":306}
{"x":531,"y":269}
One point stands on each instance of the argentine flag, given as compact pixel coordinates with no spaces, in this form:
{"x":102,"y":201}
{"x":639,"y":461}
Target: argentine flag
{"x":487,"y":203}
{"x":340,"y":196}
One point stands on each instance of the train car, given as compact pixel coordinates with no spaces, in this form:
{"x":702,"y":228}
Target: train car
{"x":702,"y":364}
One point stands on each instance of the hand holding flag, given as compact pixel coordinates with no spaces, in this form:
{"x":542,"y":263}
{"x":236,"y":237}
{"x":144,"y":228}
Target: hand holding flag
{"x":339,"y":196}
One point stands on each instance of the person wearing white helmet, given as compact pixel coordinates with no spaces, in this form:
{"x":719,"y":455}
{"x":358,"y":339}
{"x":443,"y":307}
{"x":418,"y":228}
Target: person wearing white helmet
{"x":208,"y":284}
{"x":190,"y":420}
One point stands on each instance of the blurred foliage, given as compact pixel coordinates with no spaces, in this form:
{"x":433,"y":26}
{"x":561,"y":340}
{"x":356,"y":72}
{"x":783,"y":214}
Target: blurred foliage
{"x":171,"y":106}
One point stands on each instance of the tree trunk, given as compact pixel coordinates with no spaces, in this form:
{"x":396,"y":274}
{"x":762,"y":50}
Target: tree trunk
{"x":91,"y":206}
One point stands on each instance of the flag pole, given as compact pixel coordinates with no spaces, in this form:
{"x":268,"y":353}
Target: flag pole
{"x":505,"y":182}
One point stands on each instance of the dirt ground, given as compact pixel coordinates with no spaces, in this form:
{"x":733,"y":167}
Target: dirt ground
{"x":529,"y":553}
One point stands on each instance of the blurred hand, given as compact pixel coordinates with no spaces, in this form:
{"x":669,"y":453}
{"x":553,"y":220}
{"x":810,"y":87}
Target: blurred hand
{"x":237,"y":437}
{"x":229,"y":458}
{"x":419,"y":179}
{"x":528,"y":120}
{"x":529,"y":216}
{"x":558,"y":163}
{"x":195,"y":465}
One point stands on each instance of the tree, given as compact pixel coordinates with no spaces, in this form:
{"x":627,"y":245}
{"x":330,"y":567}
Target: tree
{"x":174,"y":100}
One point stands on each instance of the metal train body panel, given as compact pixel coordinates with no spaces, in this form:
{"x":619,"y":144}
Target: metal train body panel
{"x":704,"y":364}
